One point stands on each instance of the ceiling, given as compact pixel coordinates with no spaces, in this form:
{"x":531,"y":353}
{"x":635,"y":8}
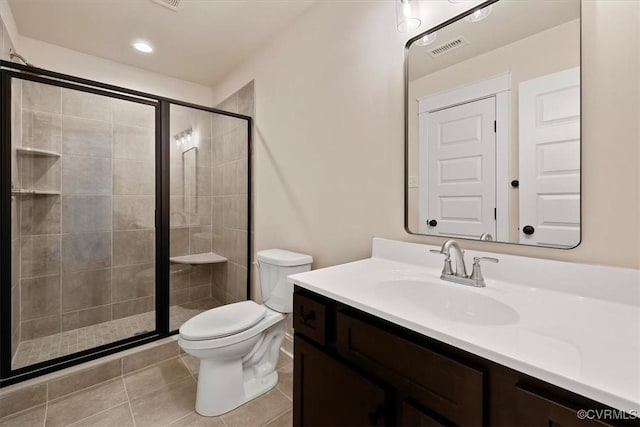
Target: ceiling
{"x":508,"y":22}
{"x":201,"y":42}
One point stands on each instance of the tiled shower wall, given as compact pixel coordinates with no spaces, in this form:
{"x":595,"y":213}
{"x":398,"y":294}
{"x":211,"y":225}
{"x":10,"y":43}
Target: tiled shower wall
{"x":87,"y":254}
{"x":209,"y":201}
{"x":230,"y":177}
{"x":243,"y":102}
{"x":190,"y":205}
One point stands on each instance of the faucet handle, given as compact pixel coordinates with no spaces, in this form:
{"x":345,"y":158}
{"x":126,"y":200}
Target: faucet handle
{"x":476,"y":273}
{"x":446,"y":270}
{"x":477,"y":259}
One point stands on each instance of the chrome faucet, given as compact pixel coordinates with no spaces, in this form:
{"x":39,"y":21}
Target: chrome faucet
{"x":461,"y":268}
{"x":460,"y":274}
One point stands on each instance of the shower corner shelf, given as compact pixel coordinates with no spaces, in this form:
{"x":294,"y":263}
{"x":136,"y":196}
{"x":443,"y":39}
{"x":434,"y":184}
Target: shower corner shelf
{"x":197,"y":259}
{"x":36,"y":152}
{"x":25,"y":192}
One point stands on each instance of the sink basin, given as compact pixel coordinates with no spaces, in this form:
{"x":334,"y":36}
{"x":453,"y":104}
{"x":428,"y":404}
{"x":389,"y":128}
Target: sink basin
{"x":448,"y":301}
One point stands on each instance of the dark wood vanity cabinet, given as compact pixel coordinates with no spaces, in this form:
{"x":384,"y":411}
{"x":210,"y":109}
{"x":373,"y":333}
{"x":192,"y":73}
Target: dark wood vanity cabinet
{"x":334,"y":394}
{"x":354,"y":369}
{"x":535,"y":410}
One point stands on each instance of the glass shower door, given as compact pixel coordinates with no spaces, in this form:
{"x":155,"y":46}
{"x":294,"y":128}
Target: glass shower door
{"x":209,"y":204}
{"x":83,"y":219}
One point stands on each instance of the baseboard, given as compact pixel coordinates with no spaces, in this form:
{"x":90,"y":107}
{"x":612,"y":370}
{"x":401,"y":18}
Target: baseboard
{"x":287,"y":345}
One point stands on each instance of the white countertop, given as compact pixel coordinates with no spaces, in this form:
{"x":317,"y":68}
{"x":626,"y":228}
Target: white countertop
{"x":576,"y":340}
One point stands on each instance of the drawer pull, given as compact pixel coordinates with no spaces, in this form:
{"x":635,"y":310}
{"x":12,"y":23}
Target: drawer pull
{"x":305,"y":318}
{"x":309,"y":318}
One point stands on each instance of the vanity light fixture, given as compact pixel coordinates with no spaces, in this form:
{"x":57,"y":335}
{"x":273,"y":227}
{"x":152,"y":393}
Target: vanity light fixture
{"x":142,"y":46}
{"x":427,"y":39}
{"x":479,"y":14}
{"x":183,"y":139}
{"x":407,"y":15}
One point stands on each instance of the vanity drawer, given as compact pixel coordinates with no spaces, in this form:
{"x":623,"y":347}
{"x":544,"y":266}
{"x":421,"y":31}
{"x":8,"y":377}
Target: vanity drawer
{"x":445,"y":386}
{"x":535,"y":410}
{"x":310,"y":318}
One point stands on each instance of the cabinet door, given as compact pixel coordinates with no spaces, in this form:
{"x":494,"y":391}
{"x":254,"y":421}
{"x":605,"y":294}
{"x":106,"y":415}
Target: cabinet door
{"x":447,"y":387}
{"x":328,"y":393}
{"x":534,"y":410}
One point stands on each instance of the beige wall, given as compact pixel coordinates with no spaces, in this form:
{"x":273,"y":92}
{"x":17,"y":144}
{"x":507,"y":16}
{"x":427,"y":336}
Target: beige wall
{"x":547,"y":52}
{"x":329,"y":133}
{"x":62,"y":60}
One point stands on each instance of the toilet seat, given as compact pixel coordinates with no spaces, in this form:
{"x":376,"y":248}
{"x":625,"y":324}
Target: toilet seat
{"x":223,"y":321}
{"x":271,"y":318}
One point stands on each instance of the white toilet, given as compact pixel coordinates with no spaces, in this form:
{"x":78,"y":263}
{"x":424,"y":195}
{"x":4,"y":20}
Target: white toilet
{"x":238,"y":344}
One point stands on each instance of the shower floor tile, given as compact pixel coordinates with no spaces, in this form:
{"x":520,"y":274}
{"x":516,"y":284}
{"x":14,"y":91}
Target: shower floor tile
{"x":52,"y":346}
{"x":179,"y":314}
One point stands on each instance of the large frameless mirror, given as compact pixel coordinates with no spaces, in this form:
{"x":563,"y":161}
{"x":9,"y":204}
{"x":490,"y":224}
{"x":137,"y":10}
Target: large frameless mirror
{"x":493,"y":125}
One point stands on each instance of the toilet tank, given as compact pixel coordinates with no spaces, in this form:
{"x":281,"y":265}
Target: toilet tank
{"x":275,"y":265}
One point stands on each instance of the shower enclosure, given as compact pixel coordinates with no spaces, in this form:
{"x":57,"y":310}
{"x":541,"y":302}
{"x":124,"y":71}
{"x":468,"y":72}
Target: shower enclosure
{"x":122,"y":215}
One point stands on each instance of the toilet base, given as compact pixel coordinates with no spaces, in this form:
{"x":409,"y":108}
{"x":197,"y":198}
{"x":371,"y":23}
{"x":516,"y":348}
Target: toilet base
{"x":211,"y":404}
{"x":229,"y":379}
{"x":259,"y":386}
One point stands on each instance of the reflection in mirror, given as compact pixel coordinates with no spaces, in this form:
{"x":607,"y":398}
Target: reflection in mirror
{"x":493,"y":136}
{"x":190,"y":179}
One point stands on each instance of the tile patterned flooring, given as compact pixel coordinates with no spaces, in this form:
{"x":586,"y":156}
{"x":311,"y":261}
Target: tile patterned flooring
{"x":57,"y":345}
{"x":159,"y":395}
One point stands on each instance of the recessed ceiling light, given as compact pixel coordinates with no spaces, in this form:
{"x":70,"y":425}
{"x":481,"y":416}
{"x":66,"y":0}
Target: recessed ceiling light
{"x":143,"y":47}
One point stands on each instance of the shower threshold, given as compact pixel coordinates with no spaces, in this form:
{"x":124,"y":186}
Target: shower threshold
{"x":61,"y":344}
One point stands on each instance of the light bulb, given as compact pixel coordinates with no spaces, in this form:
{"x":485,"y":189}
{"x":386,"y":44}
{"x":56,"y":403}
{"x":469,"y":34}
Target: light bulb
{"x":406,"y":9}
{"x":479,"y":14}
{"x":407,"y":15}
{"x":427,"y":39}
{"x":142,"y":46}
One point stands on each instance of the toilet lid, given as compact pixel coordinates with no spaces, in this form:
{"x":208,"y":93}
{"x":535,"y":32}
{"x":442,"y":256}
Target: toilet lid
{"x":223,"y":321}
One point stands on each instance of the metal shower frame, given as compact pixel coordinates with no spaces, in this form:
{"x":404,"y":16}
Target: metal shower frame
{"x":10,"y":70}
